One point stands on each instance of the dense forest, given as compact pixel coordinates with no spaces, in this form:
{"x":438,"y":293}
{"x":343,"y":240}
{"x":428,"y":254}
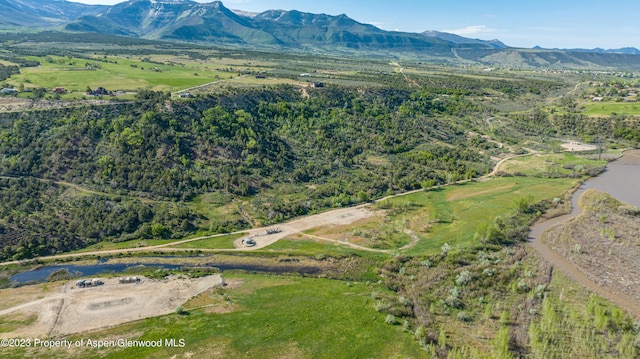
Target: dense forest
{"x":328,"y":147}
{"x":42,"y":218}
{"x":246,"y":141}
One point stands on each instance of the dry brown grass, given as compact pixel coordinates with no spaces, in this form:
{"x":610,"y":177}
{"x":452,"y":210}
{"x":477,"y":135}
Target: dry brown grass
{"x":603,"y":242}
{"x":13,"y":296}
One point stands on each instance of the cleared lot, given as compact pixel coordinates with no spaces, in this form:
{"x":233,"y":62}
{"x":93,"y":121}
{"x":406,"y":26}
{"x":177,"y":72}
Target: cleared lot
{"x":73,"y":310}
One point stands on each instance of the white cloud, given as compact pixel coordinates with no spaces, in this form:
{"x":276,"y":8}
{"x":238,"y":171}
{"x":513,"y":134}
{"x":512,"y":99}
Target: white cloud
{"x":375,"y":23}
{"x":470,"y":30}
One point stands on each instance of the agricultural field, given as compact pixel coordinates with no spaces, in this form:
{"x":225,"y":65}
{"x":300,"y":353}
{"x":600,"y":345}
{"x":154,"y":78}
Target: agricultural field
{"x":609,"y":109}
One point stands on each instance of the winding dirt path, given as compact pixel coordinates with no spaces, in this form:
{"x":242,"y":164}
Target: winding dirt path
{"x":79,"y":188}
{"x":295,"y":226}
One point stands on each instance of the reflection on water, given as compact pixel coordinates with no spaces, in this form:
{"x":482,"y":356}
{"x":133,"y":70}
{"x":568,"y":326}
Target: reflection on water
{"x":41,"y":274}
{"x":621,"y":180}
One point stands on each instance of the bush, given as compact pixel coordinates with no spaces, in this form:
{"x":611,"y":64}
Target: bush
{"x":463,"y":278}
{"x":463,"y":317}
{"x":181,"y":311}
{"x":391,"y":319}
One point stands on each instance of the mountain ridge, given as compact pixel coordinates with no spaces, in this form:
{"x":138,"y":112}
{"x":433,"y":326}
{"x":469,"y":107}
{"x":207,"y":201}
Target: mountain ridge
{"x":213,"y":23}
{"x":43,"y":13}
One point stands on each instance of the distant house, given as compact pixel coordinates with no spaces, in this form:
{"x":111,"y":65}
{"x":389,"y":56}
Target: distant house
{"x":99,"y":91}
{"x":9,"y":91}
{"x":59,"y":90}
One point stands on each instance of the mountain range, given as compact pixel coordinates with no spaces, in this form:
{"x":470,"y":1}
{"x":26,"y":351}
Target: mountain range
{"x":213,"y":23}
{"x":43,"y":13}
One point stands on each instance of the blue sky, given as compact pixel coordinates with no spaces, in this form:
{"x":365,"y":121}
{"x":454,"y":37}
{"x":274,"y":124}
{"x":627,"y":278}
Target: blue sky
{"x":524,"y":23}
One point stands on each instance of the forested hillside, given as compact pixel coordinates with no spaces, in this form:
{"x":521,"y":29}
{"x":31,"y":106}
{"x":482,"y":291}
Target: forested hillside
{"x":284,"y":151}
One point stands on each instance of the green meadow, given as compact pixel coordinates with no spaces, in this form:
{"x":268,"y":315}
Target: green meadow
{"x":264,"y":317}
{"x":610,"y":108}
{"x":454,"y":213}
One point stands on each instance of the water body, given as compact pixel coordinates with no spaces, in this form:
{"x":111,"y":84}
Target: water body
{"x":621,"y":180}
{"x":41,"y":274}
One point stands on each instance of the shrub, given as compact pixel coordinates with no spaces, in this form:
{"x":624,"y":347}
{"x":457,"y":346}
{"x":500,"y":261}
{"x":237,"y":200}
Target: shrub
{"x":463,"y":278}
{"x":181,"y":311}
{"x":445,"y":249}
{"x":391,"y":319}
{"x":463,"y":316}
{"x":404,"y":301}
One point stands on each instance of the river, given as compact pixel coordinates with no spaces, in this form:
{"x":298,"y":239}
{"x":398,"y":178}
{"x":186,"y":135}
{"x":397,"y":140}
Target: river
{"x":621,"y":180}
{"x":41,"y":274}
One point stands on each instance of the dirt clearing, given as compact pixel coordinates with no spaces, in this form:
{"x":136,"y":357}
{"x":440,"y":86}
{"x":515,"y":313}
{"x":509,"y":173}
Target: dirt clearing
{"x":336,"y":217}
{"x":72,"y":310}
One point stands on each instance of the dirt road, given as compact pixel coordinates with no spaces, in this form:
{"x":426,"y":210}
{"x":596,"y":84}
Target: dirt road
{"x":333,"y":217}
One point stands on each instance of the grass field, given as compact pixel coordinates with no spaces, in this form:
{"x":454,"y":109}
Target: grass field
{"x":609,"y":108}
{"x":452,"y":214}
{"x":221,"y":242}
{"x":263,"y":317}
{"x":556,"y":163}
{"x":307,"y":247}
{"x":159,"y":72}
{"x":103,"y":246}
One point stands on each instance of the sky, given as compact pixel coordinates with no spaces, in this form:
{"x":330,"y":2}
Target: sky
{"x":518,"y":23}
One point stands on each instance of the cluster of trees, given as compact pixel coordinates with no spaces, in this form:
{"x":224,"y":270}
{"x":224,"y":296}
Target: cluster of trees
{"x":291,"y":153}
{"x":40,"y":218}
{"x":8,"y":71}
{"x":245,"y":141}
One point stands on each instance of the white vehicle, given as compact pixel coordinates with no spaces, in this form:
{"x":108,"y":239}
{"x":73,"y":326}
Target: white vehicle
{"x":248,"y":242}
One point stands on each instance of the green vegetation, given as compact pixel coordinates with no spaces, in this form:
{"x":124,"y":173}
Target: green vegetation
{"x":306,"y":247}
{"x":221,"y":242}
{"x":269,"y":317}
{"x":41,"y":218}
{"x":552,"y":166}
{"x":452,"y":214}
{"x":15,"y":321}
{"x":439,"y":273}
{"x":575,"y":323}
{"x":616,"y":108}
